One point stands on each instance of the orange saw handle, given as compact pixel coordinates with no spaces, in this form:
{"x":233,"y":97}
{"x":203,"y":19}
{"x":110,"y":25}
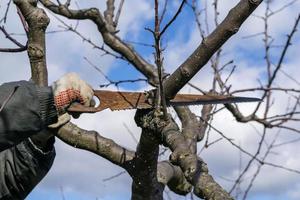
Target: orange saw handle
{"x":79,"y":108}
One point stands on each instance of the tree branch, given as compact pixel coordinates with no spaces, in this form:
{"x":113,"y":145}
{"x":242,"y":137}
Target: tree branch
{"x":109,"y":15}
{"x":207,"y":188}
{"x":38,"y":21}
{"x":109,"y":38}
{"x":209,"y":46}
{"x":172,"y":176}
{"x":144,"y":169}
{"x":93,"y":142}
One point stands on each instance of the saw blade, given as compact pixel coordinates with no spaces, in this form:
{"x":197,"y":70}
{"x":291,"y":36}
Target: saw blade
{"x":122,"y":100}
{"x":191,"y":99}
{"x":116,"y":100}
{"x":138,"y":100}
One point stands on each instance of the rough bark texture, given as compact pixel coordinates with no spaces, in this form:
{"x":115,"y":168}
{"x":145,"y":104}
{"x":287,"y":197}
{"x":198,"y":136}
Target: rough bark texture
{"x":37,"y":21}
{"x":207,"y":188}
{"x":185,"y":171}
{"x":144,"y":170}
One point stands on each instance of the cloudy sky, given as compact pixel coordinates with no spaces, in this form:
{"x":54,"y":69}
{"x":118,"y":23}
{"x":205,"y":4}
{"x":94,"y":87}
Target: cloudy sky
{"x":78,"y":174}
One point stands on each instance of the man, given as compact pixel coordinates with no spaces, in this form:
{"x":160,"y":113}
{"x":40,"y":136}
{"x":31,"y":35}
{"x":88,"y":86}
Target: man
{"x":27,"y":115}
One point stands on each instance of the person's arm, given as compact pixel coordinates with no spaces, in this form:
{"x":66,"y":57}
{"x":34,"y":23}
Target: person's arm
{"x":27,"y":109}
{"x":22,"y":167}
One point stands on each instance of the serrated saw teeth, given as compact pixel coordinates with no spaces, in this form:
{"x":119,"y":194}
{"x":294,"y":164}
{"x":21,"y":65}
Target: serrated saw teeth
{"x":116,"y":100}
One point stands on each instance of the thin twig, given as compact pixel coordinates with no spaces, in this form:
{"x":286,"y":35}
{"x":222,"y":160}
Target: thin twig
{"x":6,"y":12}
{"x":174,"y":18}
{"x":118,"y":13}
{"x":114,"y":176}
{"x":8,"y":36}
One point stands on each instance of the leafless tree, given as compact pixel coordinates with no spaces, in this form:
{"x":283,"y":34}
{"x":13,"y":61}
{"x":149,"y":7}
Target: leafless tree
{"x":185,"y":171}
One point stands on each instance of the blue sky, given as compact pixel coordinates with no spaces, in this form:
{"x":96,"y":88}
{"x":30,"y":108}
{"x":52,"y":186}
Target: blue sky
{"x":81,"y":173}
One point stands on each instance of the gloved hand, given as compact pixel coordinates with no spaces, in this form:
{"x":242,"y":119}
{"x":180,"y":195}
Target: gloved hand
{"x":67,"y":90}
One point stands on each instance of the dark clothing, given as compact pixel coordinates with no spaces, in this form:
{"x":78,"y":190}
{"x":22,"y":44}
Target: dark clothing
{"x":27,"y":110}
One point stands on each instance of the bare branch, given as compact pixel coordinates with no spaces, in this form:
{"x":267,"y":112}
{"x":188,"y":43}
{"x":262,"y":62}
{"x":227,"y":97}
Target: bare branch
{"x":259,"y":167}
{"x":279,"y":64}
{"x":8,"y":36}
{"x":6,"y":12}
{"x":163,"y":11}
{"x":209,"y":46}
{"x":283,"y":7}
{"x":110,"y":39}
{"x":265,"y":89}
{"x":118,"y":13}
{"x":207,"y":188}
{"x":36,"y":39}
{"x":173,"y":18}
{"x":109,"y":15}
{"x":89,"y":41}
{"x":114,"y":176}
{"x":112,"y":82}
{"x":13,"y":50}
{"x":93,"y":142}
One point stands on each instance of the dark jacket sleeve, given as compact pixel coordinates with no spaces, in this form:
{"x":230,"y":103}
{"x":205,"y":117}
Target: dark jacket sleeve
{"x":22,"y":167}
{"x":27,"y":109}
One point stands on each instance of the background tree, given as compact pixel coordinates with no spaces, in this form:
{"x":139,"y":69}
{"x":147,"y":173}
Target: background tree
{"x":182,"y":131}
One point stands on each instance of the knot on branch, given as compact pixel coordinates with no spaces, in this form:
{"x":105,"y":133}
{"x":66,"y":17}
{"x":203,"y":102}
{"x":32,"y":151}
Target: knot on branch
{"x":37,"y":18}
{"x":187,"y":162}
{"x":35,"y":52}
{"x":182,"y":188}
{"x":172,"y":176}
{"x":33,"y":2}
{"x":255,"y":2}
{"x":148,"y":119}
{"x":185,"y":72}
{"x":93,"y":12}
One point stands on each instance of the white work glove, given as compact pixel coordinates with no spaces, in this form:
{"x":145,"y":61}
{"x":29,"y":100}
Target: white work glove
{"x":67,"y":90}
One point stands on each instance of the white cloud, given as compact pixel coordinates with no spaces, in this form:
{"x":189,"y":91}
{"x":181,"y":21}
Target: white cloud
{"x":81,"y":171}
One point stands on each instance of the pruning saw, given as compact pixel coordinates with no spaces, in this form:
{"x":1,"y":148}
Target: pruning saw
{"x":117,"y":100}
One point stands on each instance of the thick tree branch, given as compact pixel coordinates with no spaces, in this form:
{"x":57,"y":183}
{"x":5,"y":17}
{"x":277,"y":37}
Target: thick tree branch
{"x":172,"y":176}
{"x":192,"y":128}
{"x":93,"y":142}
{"x":168,"y":134}
{"x":144,"y":169}
{"x":209,"y":46}
{"x":181,"y":153}
{"x":207,"y":188}
{"x":37,"y":21}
